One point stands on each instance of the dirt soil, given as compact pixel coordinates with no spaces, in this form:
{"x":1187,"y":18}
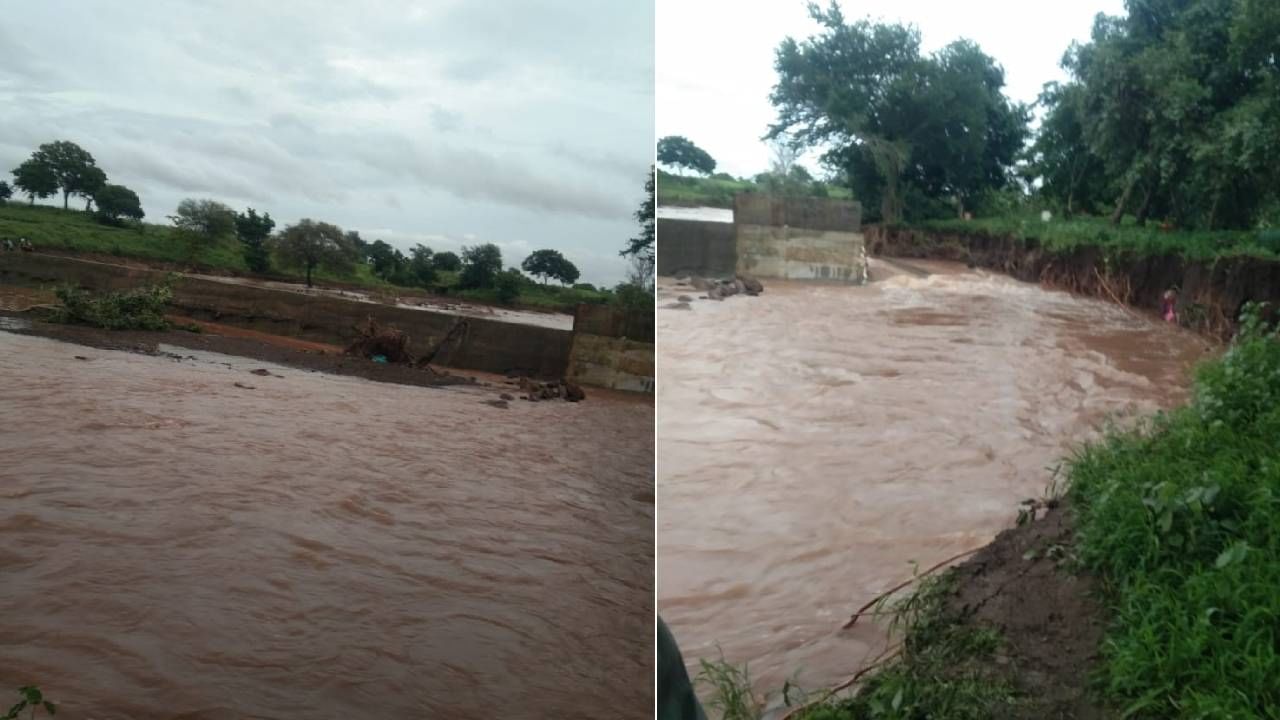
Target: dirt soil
{"x":1023,"y":584}
{"x":259,"y":346}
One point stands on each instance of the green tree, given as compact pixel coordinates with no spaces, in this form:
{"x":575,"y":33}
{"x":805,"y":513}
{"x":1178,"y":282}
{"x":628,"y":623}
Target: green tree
{"x":36,"y":178}
{"x":680,"y":152}
{"x":508,"y":284}
{"x":1176,"y":101}
{"x":6,"y":192}
{"x":550,"y":264}
{"x":1069,"y":172}
{"x":72,"y":165}
{"x":421,"y":266}
{"x":309,"y":244}
{"x":384,"y":260}
{"x":900,"y":124}
{"x":446,"y":261}
{"x":253,"y":231}
{"x":117,"y":203}
{"x":640,"y":248}
{"x":91,"y":180}
{"x":205,"y":220}
{"x":480,"y":266}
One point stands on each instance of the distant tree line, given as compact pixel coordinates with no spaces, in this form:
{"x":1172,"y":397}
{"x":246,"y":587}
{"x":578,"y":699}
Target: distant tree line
{"x":308,"y":245}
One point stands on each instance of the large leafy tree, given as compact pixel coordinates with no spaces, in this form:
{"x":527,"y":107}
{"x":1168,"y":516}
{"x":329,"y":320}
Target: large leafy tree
{"x":680,"y":152}
{"x":480,"y":266}
{"x":899,"y":124}
{"x":310,"y":244}
{"x":6,"y":192}
{"x":253,"y":230}
{"x":36,"y":178}
{"x":1176,"y":102}
{"x":550,"y":264}
{"x":73,"y":166}
{"x":117,"y":203}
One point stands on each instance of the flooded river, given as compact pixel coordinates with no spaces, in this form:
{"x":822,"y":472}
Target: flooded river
{"x":312,"y":546}
{"x":815,"y":441}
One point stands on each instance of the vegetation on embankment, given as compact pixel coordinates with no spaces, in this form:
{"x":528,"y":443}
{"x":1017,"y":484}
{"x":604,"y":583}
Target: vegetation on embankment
{"x":1214,"y":274}
{"x":1181,"y":519}
{"x":1061,"y":235}
{"x":718,"y":190}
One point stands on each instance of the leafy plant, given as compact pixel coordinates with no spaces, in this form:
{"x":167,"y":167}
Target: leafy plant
{"x":139,"y":309}
{"x":33,"y":698}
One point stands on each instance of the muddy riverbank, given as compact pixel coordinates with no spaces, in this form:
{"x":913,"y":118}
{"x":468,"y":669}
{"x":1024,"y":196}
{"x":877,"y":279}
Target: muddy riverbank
{"x":1211,"y":293}
{"x":188,"y":537}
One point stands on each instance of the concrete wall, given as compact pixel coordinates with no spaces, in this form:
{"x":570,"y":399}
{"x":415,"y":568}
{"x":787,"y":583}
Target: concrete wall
{"x":800,"y":238}
{"x":696,"y":247}
{"x":487,"y":345}
{"x":612,"y":349}
{"x":609,"y":362}
{"x":797,"y":212}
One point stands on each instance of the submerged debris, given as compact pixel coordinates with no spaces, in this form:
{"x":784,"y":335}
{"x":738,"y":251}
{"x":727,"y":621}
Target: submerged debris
{"x":535,"y":390}
{"x":376,"y":340}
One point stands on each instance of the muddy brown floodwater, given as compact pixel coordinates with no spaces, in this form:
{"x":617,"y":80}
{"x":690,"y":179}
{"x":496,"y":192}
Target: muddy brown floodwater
{"x":813,"y":442}
{"x":172,"y":545}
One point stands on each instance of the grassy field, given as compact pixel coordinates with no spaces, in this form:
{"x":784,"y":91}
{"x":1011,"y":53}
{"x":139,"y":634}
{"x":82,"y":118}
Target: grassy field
{"x":1060,"y":234}
{"x":54,"y":229}
{"x":718,"y":192}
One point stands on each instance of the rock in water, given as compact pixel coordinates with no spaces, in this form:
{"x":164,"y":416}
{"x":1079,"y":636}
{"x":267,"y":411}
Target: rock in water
{"x":573,"y":392}
{"x":752,"y":285}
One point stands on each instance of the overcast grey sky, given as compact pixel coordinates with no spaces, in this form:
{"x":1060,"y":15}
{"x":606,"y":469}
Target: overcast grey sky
{"x":715,"y":57}
{"x":526,"y":124}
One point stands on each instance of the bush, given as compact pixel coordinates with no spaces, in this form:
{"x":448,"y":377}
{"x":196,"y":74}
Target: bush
{"x":1180,"y":520}
{"x":139,"y":309}
{"x":508,"y":285}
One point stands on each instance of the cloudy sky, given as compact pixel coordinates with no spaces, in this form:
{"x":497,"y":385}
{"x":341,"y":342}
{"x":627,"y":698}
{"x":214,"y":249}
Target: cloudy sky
{"x":715,"y":57}
{"x":526,"y":124}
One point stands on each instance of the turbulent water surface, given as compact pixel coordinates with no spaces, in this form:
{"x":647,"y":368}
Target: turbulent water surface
{"x":311,"y":546}
{"x":816,"y":441}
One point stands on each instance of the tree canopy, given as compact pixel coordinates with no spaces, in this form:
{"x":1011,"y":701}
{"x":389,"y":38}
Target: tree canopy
{"x":480,"y":266}
{"x":117,"y":203}
{"x":446,"y":261}
{"x":912,"y":132}
{"x":6,"y":192}
{"x":73,"y":168}
{"x":253,"y":230}
{"x":310,"y":244}
{"x":1170,"y":111}
{"x":680,"y":152}
{"x":550,"y":264}
{"x":36,"y":178}
{"x":204,"y":219}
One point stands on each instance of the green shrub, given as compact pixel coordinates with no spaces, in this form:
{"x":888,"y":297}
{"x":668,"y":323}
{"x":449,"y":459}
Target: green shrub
{"x":139,"y":309}
{"x":507,"y":285}
{"x":1182,"y":520}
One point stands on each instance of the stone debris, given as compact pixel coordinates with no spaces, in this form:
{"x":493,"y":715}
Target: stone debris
{"x":535,"y":390}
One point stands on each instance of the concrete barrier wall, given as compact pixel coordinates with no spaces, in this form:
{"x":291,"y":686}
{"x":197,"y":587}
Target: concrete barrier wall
{"x":487,"y":345}
{"x":797,"y":212}
{"x":613,"y":348}
{"x":801,"y":254}
{"x":800,"y":238}
{"x":696,"y":247}
{"x":611,"y":362}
